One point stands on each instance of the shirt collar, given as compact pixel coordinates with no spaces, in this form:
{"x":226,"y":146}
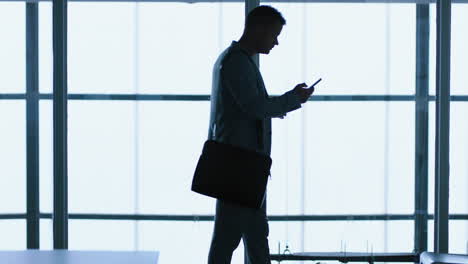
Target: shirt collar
{"x":235,"y":45}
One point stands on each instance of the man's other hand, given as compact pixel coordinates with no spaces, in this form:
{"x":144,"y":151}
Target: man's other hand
{"x":303,"y":92}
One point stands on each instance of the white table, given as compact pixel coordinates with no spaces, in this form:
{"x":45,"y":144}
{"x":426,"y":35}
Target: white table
{"x":78,"y":257}
{"x":434,"y":258}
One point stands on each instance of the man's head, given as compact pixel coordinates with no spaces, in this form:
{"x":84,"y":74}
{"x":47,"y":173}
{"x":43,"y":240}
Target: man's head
{"x":262,"y":27}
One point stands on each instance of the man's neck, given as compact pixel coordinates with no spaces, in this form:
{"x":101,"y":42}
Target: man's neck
{"x":247,"y":46}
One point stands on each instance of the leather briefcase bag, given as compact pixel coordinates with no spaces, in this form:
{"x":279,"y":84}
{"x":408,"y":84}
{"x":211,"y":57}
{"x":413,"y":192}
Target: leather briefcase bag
{"x":232,"y":174}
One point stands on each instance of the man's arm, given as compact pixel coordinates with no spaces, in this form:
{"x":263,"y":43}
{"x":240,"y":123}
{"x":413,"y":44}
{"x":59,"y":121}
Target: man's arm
{"x":239,"y":78}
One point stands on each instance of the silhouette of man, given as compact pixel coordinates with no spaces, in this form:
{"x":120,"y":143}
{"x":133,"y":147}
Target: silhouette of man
{"x":239,"y":103}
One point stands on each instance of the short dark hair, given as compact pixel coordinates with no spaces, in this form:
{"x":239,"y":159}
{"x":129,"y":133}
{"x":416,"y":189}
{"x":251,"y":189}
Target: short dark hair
{"x":263,"y":15}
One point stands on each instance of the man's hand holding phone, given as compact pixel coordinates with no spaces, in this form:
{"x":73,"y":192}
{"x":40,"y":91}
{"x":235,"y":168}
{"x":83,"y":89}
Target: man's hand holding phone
{"x":305,"y":92}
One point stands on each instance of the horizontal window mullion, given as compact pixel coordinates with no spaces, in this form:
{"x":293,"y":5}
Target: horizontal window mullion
{"x":459,"y":98}
{"x":205,"y":97}
{"x":211,"y":217}
{"x":369,"y":217}
{"x":188,"y":97}
{"x":12,"y":216}
{"x":12,"y":96}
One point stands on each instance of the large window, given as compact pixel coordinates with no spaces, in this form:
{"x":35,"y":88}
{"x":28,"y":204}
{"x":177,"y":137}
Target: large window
{"x":139,"y":76}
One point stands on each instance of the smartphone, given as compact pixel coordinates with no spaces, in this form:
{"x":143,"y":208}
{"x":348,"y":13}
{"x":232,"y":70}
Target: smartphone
{"x":315,"y":83}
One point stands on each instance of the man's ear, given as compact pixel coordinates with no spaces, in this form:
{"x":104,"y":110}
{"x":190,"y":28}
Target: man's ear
{"x":258,"y":29}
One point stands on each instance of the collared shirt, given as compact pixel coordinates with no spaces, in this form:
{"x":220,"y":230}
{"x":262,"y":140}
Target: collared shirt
{"x":241,"y":109}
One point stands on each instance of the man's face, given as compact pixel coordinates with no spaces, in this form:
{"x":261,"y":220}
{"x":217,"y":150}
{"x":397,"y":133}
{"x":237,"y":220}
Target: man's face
{"x":267,"y":37}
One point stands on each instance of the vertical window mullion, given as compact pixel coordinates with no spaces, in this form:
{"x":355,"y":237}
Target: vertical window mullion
{"x":442,"y":127}
{"x":60,"y":109}
{"x":32,"y":125}
{"x":421,"y":127}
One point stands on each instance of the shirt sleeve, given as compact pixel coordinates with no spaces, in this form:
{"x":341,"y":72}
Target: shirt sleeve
{"x":240,"y":79}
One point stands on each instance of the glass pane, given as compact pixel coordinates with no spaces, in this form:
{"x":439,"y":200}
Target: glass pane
{"x":458,"y":237}
{"x":430,"y":235}
{"x":46,"y":158}
{"x":47,"y":235}
{"x":371,"y":53}
{"x":360,"y":236}
{"x":13,"y":234}
{"x":400,"y":236}
{"x":12,"y":47}
{"x":432,"y":48}
{"x":101,"y":47}
{"x":13,"y":156}
{"x":101,"y":168}
{"x":180,"y":241}
{"x":122,"y":53}
{"x":45,"y":48}
{"x":170,"y":140}
{"x":458,"y":158}
{"x":459,"y":52}
{"x":359,"y":157}
{"x":431,"y":161}
{"x":101,"y":235}
{"x":178,"y":44}
{"x":285,"y":195}
{"x":389,"y":146}
{"x":286,"y":233}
